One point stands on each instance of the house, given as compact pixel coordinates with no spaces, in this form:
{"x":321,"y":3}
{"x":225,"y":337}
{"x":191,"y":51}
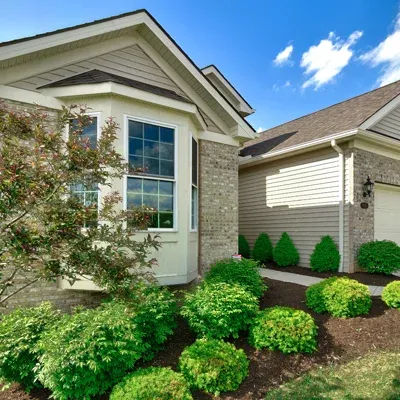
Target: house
{"x":310,"y":176}
{"x":182,"y":124}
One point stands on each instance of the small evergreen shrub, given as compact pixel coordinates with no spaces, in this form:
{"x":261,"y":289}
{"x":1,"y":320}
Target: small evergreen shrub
{"x":379,"y":257}
{"x":219,"y":310}
{"x":285,"y":252}
{"x":214,"y":366}
{"x":340,"y":297}
{"x":244,"y":273}
{"x":315,"y":295}
{"x":152,"y":383}
{"x":243,"y":246}
{"x":326,"y":256}
{"x":262,"y":250}
{"x":391,"y":294}
{"x":19,"y":333}
{"x":284,"y":329}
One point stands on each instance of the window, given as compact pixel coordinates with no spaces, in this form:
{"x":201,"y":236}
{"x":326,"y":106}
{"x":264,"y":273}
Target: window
{"x":88,"y":195}
{"x":194,"y":195}
{"x":151,"y":178}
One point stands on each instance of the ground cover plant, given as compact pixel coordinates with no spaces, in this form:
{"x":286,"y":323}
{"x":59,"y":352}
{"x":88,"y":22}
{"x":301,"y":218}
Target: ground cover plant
{"x":244,"y":273}
{"x":379,"y":257}
{"x":285,"y":252}
{"x":391,"y":294}
{"x":262,"y":250}
{"x":326,"y":256}
{"x":243,"y":246}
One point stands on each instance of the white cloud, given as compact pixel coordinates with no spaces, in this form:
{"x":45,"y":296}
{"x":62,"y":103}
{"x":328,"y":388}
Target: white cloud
{"x":327,"y":59}
{"x":387,"y":54}
{"x":260,"y":129}
{"x":284,"y":56}
{"x":277,"y":86}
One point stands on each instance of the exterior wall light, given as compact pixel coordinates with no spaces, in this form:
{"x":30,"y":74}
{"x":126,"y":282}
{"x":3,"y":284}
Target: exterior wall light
{"x":368,"y":187}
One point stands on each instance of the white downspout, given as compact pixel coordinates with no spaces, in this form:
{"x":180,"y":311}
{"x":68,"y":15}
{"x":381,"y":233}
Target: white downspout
{"x":341,"y":203}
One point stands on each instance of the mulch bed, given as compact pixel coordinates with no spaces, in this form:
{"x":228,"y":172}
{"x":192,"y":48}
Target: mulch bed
{"x":339,"y":340}
{"x":363,"y":277}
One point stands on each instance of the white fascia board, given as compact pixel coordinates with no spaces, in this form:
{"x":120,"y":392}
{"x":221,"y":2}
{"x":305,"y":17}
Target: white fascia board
{"x":218,"y":138}
{"x":298,"y":149}
{"x":374,"y":119}
{"x":379,"y":139}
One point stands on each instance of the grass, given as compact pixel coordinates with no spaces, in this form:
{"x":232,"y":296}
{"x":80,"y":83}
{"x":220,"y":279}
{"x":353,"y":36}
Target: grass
{"x":373,"y":377}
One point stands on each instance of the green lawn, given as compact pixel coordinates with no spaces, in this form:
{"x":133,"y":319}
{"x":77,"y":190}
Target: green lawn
{"x":374,"y":377}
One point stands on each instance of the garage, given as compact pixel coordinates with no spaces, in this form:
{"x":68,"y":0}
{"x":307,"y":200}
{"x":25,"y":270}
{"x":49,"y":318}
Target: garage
{"x":387,"y":213}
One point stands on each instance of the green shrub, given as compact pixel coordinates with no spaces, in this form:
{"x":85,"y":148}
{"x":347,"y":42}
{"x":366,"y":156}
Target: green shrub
{"x":326,"y":256}
{"x":214,"y":366}
{"x":89,"y":352}
{"x":19,"y":334}
{"x":244,"y":273}
{"x":391,"y":294}
{"x":284,"y":329}
{"x":285,"y":253}
{"x":243,"y":246}
{"x":379,"y":257}
{"x":219,"y":310}
{"x":262,"y":250}
{"x":152,"y":383}
{"x":315,"y":295}
{"x":340,"y":297}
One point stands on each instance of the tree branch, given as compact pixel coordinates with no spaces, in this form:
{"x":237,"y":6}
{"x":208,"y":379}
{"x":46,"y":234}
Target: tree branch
{"x":4,"y":299}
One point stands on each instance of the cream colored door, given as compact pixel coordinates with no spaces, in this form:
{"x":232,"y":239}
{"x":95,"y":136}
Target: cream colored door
{"x":387,"y":213}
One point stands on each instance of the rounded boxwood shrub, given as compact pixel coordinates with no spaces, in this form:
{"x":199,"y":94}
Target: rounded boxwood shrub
{"x":391,"y":294}
{"x":19,"y":333}
{"x":152,"y":383}
{"x":285,"y":329}
{"x":379,"y":257}
{"x":326,"y":256}
{"x":243,"y":246}
{"x":315,"y":295}
{"x":262,"y":250}
{"x":214,"y":366}
{"x":244,"y":273}
{"x":219,"y":310}
{"x":285,"y":252}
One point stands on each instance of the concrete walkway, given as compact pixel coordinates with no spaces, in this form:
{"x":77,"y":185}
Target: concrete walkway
{"x":305,"y":280}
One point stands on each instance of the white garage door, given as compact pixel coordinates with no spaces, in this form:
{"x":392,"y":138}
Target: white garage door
{"x":387,"y":213}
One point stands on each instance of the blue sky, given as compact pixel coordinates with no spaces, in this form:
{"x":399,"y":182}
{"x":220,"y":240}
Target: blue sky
{"x":337,"y":49}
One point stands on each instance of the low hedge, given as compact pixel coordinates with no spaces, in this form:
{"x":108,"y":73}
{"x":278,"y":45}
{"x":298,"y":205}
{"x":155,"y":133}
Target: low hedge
{"x":340,"y":297}
{"x":19,"y":333}
{"x":152,"y":383}
{"x":219,"y":310}
{"x":244,"y":273}
{"x":379,"y":257}
{"x":326,"y":256}
{"x":285,"y":329}
{"x":243,"y":246}
{"x":262,"y":250}
{"x":391,"y":294}
{"x":214,"y":366}
{"x":285,"y":252}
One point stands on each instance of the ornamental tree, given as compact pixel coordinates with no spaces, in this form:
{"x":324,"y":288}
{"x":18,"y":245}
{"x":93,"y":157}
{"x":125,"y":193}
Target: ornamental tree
{"x":46,"y":231}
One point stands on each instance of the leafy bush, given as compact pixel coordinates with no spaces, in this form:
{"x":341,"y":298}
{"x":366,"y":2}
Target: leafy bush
{"x":244,"y":273}
{"x":326,"y":256}
{"x":315,"y":295}
{"x":152,"y":383}
{"x":340,"y":297}
{"x":285,"y":252}
{"x":219,"y":310}
{"x":391,"y":294}
{"x":89,"y":352}
{"x":284,"y":329}
{"x":214,"y":366}
{"x":262,"y":250}
{"x":379,"y":257}
{"x":19,"y":334}
{"x":244,"y":247}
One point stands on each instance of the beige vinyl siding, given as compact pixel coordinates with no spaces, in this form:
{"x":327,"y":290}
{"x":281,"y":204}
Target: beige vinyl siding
{"x":298,"y":195}
{"x":210,"y":124}
{"x":131,"y":62}
{"x":390,"y":124}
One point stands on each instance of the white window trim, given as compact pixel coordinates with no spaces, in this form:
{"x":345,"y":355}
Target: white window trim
{"x":191,"y":229}
{"x":128,"y":117}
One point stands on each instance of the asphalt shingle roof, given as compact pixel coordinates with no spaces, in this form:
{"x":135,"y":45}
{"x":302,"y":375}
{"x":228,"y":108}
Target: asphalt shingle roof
{"x":349,"y":114}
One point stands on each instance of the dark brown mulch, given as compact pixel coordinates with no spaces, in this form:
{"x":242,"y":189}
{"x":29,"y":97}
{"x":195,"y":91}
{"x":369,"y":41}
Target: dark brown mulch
{"x":363,"y":277}
{"x":339,"y":340}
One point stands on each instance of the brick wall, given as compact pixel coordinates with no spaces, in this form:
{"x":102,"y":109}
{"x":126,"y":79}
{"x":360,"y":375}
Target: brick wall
{"x":218,"y":202}
{"x":379,"y":169}
{"x":46,"y":291}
